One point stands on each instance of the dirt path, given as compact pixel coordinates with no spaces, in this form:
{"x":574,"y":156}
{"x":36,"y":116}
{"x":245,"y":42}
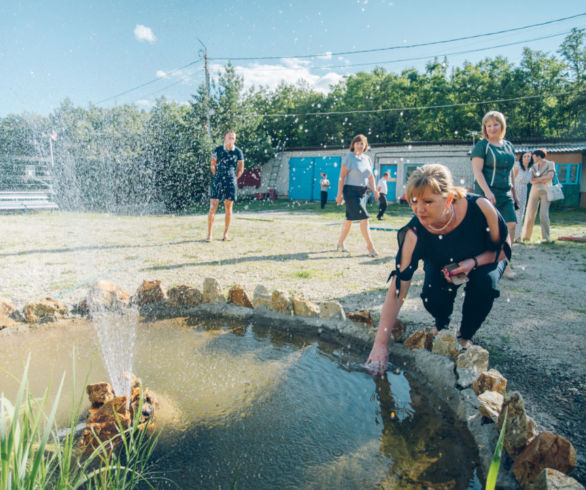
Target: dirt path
{"x":536,"y":332}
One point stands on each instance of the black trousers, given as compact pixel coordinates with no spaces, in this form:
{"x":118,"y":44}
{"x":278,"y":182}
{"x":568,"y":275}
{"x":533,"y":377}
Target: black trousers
{"x":324,"y":198}
{"x":480,"y":291}
{"x":382,"y":205}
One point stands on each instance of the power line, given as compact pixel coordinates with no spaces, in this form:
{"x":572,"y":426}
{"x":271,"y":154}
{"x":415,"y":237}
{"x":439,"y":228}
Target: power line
{"x":175,"y":70}
{"x":418,"y":58}
{"x":411,"y":108}
{"x":403,"y":46}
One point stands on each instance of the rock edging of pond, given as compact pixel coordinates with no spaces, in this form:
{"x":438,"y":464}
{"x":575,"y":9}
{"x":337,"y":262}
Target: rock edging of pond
{"x":462,"y":377}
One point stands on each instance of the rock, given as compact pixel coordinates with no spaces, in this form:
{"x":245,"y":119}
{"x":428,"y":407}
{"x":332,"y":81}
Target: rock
{"x":445,"y":344}
{"x":470,"y":364}
{"x":184,"y":295}
{"x":239,"y":296}
{"x":281,"y":301}
{"x":6,"y":308}
{"x":261,"y":297}
{"x":99,"y":394}
{"x":547,"y":450}
{"x":421,"y":339}
{"x":490,"y":380}
{"x":520,"y":428}
{"x":550,"y":479}
{"x":212,"y":291}
{"x":490,"y":404}
{"x":361,"y":316}
{"x":46,"y":310}
{"x":149,"y":292}
{"x":106,"y":296}
{"x":104,"y":420}
{"x":303,"y":307}
{"x":398,"y":331}
{"x":331,"y":309}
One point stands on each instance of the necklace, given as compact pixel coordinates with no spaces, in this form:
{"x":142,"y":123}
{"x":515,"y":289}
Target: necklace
{"x":451,"y":218}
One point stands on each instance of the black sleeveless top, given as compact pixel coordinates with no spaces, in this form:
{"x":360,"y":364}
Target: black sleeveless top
{"x":470,"y":238}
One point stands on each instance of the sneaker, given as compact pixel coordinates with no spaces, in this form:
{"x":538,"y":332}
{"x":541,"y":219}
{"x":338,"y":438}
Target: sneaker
{"x":341,"y":248}
{"x":374,"y":253}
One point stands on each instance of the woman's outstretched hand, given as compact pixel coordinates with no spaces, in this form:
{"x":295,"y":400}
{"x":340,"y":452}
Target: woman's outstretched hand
{"x":378,"y":359}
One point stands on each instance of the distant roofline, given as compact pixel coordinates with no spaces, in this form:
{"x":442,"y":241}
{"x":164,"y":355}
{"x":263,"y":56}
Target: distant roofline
{"x":519,"y":142}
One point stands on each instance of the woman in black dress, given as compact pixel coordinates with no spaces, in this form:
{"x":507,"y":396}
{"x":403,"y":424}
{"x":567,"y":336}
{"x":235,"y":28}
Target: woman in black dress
{"x":462,"y":239}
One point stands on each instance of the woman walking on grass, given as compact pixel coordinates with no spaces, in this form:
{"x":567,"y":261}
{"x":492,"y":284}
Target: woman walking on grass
{"x":355,"y":178}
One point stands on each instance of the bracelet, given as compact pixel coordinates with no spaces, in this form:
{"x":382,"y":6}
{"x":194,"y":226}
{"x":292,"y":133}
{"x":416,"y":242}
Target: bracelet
{"x":475,"y":263}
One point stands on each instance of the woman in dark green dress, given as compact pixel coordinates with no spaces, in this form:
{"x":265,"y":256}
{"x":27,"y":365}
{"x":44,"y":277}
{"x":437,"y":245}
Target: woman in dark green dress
{"x":492,"y":162}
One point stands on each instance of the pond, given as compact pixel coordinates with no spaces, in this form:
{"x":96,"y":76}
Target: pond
{"x":262,"y":408}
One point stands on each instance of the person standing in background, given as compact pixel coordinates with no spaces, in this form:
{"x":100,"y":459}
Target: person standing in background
{"x":493,"y":158}
{"x":521,"y":178}
{"x":227,"y":166}
{"x":382,"y":189}
{"x":542,"y":174}
{"x":325,"y":185}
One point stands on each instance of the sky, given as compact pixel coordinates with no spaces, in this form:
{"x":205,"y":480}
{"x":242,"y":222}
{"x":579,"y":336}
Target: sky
{"x":110,"y":52}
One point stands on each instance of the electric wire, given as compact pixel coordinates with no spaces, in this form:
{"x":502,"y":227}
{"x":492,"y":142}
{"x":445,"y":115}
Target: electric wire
{"x":402,"y":46}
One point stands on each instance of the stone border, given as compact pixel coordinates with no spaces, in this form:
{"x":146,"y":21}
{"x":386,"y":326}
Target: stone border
{"x":460,"y":377}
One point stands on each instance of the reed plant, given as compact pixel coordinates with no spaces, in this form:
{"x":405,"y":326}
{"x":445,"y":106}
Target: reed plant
{"x":33,"y":454}
{"x":495,"y":464}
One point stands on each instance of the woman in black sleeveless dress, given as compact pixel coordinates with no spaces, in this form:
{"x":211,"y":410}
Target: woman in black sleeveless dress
{"x":462,"y":239}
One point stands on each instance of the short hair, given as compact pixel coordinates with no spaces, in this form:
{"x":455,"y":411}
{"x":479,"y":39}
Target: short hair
{"x":359,"y":137}
{"x":387,"y":173}
{"x":497,"y":116}
{"x":542,"y":152}
{"x":434,"y":176}
{"x":229,"y":131}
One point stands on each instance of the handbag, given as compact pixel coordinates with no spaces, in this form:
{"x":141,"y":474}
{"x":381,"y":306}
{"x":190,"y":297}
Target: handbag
{"x":555,"y":191}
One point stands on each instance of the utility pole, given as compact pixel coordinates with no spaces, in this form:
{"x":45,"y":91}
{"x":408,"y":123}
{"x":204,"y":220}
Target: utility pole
{"x":204,"y":51}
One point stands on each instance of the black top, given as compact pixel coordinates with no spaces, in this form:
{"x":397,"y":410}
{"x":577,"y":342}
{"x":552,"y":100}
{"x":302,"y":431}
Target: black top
{"x":470,"y":238}
{"x":227,"y":161}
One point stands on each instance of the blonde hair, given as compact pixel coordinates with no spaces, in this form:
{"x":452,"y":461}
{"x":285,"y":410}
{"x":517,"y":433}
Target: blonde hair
{"x":359,"y":137}
{"x":498,"y":116}
{"x":435,"y":177}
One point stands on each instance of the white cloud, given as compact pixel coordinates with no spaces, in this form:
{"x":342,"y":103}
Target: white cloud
{"x":326,"y":56}
{"x":292,"y":70}
{"x":145,"y":103}
{"x":144,"y":33}
{"x":162,"y":74}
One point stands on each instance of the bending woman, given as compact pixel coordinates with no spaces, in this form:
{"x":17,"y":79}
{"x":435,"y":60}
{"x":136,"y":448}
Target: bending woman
{"x":355,"y":178}
{"x":450,"y":228}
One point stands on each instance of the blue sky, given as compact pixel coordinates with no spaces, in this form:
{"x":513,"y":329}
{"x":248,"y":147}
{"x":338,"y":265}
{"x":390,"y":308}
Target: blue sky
{"x":92,"y":51}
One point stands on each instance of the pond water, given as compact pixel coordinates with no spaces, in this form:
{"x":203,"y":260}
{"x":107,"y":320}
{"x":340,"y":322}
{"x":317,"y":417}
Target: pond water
{"x":262,"y":408}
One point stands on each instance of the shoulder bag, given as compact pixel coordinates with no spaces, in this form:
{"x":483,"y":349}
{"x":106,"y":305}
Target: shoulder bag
{"x":555,"y":191}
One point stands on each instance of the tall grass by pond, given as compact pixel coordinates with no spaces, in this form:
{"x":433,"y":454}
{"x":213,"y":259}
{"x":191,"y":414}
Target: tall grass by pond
{"x":35,"y":455}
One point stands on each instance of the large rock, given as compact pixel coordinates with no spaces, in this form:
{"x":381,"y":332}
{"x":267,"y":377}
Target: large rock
{"x":521,"y":428}
{"x":150,"y":292}
{"x":281,"y":302}
{"x":550,"y":479}
{"x":303,"y":307}
{"x":420,"y":339}
{"x":470,"y":363}
{"x":239,"y":296}
{"x":105,"y":295}
{"x":362,"y":316}
{"x":445,"y":344}
{"x":547,"y":450}
{"x":490,"y":404}
{"x":6,"y":308}
{"x":99,"y":393}
{"x":184,"y":295}
{"x":261,"y":297}
{"x":46,"y":310}
{"x":490,"y":380}
{"x":212,"y":291}
{"x":331,"y":309}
